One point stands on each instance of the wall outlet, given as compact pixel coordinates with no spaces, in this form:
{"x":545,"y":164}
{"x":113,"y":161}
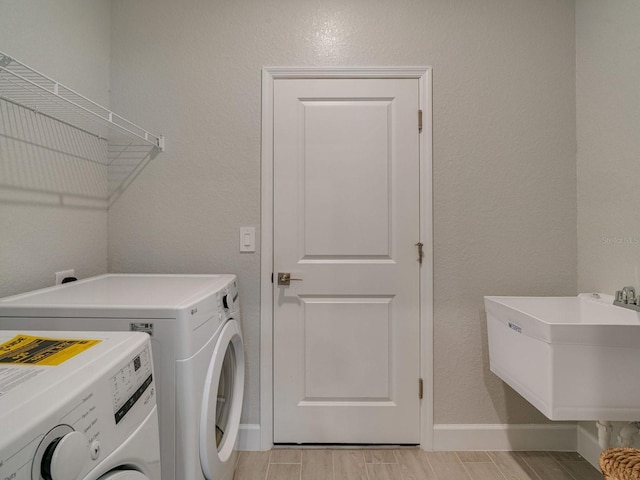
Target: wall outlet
{"x":64,"y":274}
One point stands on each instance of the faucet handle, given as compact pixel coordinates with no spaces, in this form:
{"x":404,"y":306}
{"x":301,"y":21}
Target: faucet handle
{"x":629,"y":295}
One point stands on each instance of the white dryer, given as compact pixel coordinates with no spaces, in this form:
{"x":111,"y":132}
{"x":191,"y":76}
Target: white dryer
{"x":194,"y":324}
{"x":77,"y":406}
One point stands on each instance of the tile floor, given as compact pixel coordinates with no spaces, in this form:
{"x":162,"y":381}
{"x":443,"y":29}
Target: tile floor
{"x":411,"y":464}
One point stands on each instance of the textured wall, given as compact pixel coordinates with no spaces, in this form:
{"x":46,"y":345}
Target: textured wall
{"x":608,"y":116}
{"x":504,"y":151}
{"x":67,"y":40}
{"x":608,"y":119}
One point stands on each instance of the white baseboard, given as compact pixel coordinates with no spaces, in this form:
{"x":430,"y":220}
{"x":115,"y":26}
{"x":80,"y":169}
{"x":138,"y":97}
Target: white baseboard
{"x":505,"y":437}
{"x":456,"y":437}
{"x":588,"y":446}
{"x":249,"y":437}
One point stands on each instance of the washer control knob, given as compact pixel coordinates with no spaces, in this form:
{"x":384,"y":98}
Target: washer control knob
{"x":95,"y":450}
{"x":65,"y":457}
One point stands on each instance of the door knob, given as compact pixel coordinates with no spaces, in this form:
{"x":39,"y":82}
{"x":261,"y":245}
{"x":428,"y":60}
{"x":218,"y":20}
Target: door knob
{"x":284,"y":278}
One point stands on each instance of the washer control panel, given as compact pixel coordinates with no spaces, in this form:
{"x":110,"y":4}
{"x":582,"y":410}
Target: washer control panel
{"x":78,"y":422}
{"x":130,"y":382}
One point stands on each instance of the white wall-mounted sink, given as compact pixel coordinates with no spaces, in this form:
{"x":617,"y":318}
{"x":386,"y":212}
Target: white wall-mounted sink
{"x":573,"y":358}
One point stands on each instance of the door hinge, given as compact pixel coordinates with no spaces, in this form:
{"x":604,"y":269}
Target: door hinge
{"x":420,"y":388}
{"x":419,"y":120}
{"x":420,"y":251}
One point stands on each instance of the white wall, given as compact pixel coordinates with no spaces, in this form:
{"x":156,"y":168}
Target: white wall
{"x":504,"y":151}
{"x":608,"y":119}
{"x":68,"y":40}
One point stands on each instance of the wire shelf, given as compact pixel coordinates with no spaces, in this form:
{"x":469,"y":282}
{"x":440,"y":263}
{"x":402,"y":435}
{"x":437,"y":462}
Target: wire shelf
{"x":128,"y":145}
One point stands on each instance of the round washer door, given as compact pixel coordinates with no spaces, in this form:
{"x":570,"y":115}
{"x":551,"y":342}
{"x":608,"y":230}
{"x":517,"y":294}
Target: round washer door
{"x":222,"y":401}
{"x":124,"y":475}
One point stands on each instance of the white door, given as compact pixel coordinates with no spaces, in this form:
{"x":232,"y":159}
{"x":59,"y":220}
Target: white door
{"x":346,"y":186}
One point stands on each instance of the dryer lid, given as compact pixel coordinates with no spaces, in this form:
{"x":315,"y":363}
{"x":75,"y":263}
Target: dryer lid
{"x":122,"y":291}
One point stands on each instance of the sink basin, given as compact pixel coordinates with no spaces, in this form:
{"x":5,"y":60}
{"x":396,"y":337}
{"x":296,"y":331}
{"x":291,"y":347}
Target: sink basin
{"x":573,"y":358}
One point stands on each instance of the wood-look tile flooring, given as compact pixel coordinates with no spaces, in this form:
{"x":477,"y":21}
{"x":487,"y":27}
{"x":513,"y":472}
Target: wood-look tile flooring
{"x":411,"y":464}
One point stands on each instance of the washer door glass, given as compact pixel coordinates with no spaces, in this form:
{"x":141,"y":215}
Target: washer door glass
{"x":124,"y":475}
{"x":222,"y":400}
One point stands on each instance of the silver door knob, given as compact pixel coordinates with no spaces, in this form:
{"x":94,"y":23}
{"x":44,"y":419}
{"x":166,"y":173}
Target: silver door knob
{"x":284,"y":278}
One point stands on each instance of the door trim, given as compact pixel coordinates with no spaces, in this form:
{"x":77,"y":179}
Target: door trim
{"x":424,"y":77}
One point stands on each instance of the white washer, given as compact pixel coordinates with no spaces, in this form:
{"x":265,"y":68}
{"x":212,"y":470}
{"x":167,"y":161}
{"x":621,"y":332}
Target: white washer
{"x":194,"y":323}
{"x":91,"y":416}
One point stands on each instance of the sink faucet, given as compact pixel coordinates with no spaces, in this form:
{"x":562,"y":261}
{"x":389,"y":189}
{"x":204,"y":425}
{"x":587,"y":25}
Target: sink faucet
{"x":627,"y":298}
{"x":629,"y":295}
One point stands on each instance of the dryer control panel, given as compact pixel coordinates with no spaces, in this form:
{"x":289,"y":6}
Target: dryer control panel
{"x":230,"y":298}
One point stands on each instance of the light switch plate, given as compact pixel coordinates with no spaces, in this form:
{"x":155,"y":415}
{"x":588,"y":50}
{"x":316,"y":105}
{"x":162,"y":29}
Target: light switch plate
{"x":247,"y":239}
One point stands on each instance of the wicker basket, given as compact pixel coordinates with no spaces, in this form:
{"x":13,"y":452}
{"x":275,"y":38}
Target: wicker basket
{"x":620,"y":464}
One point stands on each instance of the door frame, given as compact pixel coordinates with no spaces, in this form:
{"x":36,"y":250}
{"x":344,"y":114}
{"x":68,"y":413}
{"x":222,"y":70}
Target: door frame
{"x":424,"y":77}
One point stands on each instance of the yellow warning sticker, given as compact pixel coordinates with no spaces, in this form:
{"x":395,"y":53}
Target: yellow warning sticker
{"x":29,"y":350}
